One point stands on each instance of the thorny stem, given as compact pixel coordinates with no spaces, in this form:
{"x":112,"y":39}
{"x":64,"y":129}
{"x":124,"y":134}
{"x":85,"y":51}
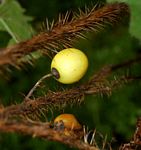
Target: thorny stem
{"x":43,"y":130}
{"x":37,"y":84}
{"x":59,"y":34}
{"x":64,"y":32}
{"x":33,"y":108}
{"x":98,"y":84}
{"x":135,"y":142}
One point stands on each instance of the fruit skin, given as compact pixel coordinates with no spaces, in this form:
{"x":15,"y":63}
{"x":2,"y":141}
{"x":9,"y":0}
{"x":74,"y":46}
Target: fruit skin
{"x":71,"y":65}
{"x":69,"y":121}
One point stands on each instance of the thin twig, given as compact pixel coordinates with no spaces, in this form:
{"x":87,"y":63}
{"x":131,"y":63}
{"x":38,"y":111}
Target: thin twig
{"x":127,"y":63}
{"x":36,"y":85}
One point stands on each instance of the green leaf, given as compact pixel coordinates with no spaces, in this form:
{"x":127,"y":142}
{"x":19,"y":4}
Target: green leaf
{"x":14,"y":21}
{"x":135,"y":24}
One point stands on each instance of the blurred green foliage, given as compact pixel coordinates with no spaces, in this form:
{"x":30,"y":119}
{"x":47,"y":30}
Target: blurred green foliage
{"x":13,"y":20}
{"x":135,"y":23}
{"x":115,"y":115}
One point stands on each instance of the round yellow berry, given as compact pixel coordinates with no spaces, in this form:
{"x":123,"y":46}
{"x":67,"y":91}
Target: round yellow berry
{"x":69,"y":65}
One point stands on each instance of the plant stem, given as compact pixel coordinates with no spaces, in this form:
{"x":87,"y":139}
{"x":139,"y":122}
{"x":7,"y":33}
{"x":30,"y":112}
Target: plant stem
{"x":37,"y":84}
{"x":9,"y":30}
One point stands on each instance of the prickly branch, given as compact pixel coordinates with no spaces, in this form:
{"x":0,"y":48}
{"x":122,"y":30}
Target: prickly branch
{"x":135,"y":143}
{"x":26,"y":117}
{"x":98,"y":84}
{"x":64,"y":31}
{"x":43,"y":130}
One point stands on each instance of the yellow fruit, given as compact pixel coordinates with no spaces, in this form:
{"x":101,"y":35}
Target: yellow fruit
{"x":69,"y":65}
{"x":69,"y":121}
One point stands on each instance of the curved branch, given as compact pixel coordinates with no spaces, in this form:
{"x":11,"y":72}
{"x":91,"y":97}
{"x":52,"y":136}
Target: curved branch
{"x":43,"y":130}
{"x":64,"y":32}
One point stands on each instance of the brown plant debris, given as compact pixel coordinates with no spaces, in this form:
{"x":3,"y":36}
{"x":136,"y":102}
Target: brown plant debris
{"x":43,"y":130}
{"x":62,"y":33}
{"x":26,"y":117}
{"x":135,"y":143}
{"x":34,"y":108}
{"x":98,"y":84}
